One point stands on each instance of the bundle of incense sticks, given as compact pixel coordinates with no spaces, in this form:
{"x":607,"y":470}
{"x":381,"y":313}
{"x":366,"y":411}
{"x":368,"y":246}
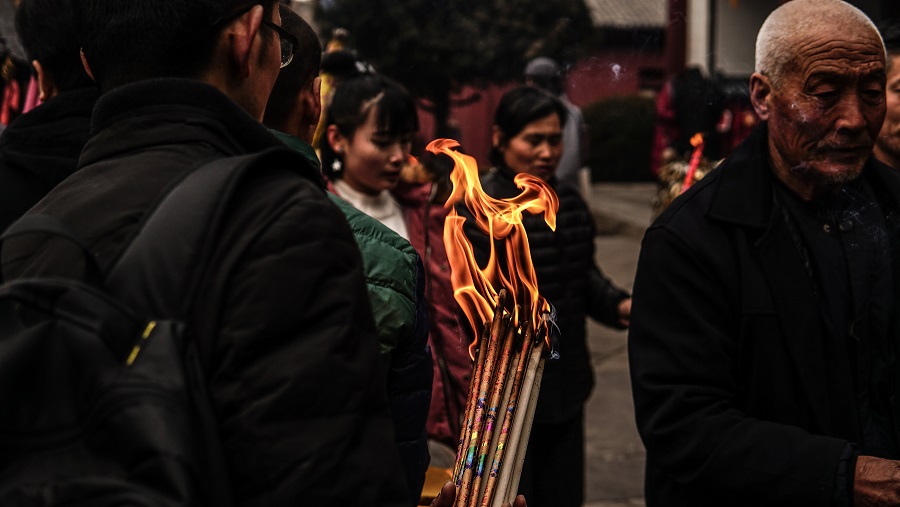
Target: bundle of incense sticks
{"x":503,"y":394}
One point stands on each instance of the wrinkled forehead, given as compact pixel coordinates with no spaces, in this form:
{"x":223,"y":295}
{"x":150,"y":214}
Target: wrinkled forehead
{"x":833,"y":50}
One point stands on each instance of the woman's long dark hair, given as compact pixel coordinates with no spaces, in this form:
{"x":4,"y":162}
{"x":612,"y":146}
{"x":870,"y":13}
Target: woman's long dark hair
{"x":353,"y":99}
{"x":519,"y":107}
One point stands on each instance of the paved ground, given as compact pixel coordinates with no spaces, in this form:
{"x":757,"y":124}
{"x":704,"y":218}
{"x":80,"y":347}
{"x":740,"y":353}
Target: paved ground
{"x":614,"y":453}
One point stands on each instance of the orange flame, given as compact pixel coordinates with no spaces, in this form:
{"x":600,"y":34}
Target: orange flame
{"x":476,"y":288}
{"x":697,"y":143}
{"x":697,"y":139}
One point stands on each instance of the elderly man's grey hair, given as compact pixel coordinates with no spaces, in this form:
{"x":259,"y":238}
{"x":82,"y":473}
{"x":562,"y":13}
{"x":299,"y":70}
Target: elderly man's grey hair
{"x":795,"y":21}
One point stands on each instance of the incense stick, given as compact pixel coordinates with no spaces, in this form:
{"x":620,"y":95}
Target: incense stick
{"x":474,"y":384}
{"x":498,"y":332}
{"x":466,"y":429}
{"x":508,"y":482}
{"x":511,"y":399}
{"x":490,"y":421}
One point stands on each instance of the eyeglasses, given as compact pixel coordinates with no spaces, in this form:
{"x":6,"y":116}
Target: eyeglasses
{"x":288,"y":43}
{"x":286,"y":39}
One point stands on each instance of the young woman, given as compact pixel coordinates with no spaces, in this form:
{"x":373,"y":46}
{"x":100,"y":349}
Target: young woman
{"x":527,"y":138}
{"x":369,"y":128}
{"x":362,"y":154}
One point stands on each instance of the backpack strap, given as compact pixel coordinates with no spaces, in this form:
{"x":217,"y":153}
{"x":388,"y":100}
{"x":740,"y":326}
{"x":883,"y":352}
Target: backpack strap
{"x":168,"y":260}
{"x":168,"y":257}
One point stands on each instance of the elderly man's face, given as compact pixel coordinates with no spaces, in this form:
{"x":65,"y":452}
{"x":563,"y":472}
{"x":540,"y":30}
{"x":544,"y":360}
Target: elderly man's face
{"x":826,"y":112}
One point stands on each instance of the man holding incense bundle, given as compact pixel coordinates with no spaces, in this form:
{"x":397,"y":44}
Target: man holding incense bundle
{"x":766,"y":313}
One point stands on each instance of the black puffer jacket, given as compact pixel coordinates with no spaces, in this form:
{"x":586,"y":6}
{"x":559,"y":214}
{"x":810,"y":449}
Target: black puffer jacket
{"x":569,"y":278}
{"x":282,"y":318}
{"x":40,"y":148}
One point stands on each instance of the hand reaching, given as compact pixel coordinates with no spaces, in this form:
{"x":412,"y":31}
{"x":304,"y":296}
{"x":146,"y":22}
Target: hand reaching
{"x":448,"y":495}
{"x":876,"y":482}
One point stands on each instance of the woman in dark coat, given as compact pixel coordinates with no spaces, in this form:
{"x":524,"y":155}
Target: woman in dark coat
{"x":527,"y":138}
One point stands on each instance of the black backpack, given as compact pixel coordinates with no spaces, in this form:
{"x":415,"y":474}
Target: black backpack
{"x":102,"y":394}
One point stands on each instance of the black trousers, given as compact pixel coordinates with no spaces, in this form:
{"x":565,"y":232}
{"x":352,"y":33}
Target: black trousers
{"x":553,"y":474}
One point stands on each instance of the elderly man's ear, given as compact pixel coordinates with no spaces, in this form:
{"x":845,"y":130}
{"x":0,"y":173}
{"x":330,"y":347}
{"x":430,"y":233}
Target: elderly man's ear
{"x":760,"y":95}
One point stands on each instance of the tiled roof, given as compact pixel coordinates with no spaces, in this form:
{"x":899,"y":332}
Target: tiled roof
{"x":628,"y":13}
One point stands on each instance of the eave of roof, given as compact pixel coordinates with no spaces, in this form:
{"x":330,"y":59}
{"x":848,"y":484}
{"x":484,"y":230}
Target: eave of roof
{"x":628,"y":13}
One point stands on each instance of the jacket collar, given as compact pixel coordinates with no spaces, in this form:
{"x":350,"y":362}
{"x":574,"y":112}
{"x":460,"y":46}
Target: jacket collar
{"x":62,"y":107}
{"x":177,"y":97}
{"x":509,"y":176}
{"x":300,"y":146}
{"x":744,"y":192}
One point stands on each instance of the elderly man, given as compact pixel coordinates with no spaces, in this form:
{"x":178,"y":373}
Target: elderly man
{"x":765,"y":318}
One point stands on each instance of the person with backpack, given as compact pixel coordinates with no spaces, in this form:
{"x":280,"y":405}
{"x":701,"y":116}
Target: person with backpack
{"x":280,"y":317}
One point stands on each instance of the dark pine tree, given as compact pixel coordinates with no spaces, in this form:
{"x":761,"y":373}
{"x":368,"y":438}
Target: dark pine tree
{"x":435,"y":47}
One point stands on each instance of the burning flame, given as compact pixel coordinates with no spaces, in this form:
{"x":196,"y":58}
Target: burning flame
{"x":697,"y":143}
{"x":697,"y":139}
{"x":476,"y":288}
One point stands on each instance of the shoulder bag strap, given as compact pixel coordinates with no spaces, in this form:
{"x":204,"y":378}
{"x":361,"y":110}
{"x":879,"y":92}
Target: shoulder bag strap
{"x":167,"y":260}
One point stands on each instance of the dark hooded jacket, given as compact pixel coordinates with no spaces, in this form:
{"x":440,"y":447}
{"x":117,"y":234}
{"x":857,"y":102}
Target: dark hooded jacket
{"x":40,"y":148}
{"x":282,"y":319}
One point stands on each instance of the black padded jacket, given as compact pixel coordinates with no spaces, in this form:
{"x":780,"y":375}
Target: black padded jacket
{"x":282,"y":319}
{"x":569,"y":278}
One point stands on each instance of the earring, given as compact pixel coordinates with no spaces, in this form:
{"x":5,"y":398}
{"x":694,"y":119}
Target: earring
{"x":337,"y":165}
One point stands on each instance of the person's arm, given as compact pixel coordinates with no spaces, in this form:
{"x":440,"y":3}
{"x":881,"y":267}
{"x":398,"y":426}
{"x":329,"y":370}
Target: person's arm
{"x":607,"y":303}
{"x":684,"y":353}
{"x":296,"y":377}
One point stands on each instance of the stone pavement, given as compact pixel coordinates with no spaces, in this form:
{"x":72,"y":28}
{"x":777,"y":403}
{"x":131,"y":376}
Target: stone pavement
{"x":614,"y":455}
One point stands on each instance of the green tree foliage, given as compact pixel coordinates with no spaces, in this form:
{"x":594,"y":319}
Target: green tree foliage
{"x":434,"y":47}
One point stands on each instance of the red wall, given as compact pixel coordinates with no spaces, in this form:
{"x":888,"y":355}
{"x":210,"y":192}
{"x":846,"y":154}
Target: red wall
{"x":604,"y":74}
{"x":609,"y":73}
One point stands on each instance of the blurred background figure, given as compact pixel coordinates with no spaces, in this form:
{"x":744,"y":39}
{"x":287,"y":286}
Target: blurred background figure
{"x":665,"y":129}
{"x":887,"y":145}
{"x":40,"y":148}
{"x":697,"y":103}
{"x":339,"y":62}
{"x":690,"y":104}
{"x":546,"y":74}
{"x":422,"y":193}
